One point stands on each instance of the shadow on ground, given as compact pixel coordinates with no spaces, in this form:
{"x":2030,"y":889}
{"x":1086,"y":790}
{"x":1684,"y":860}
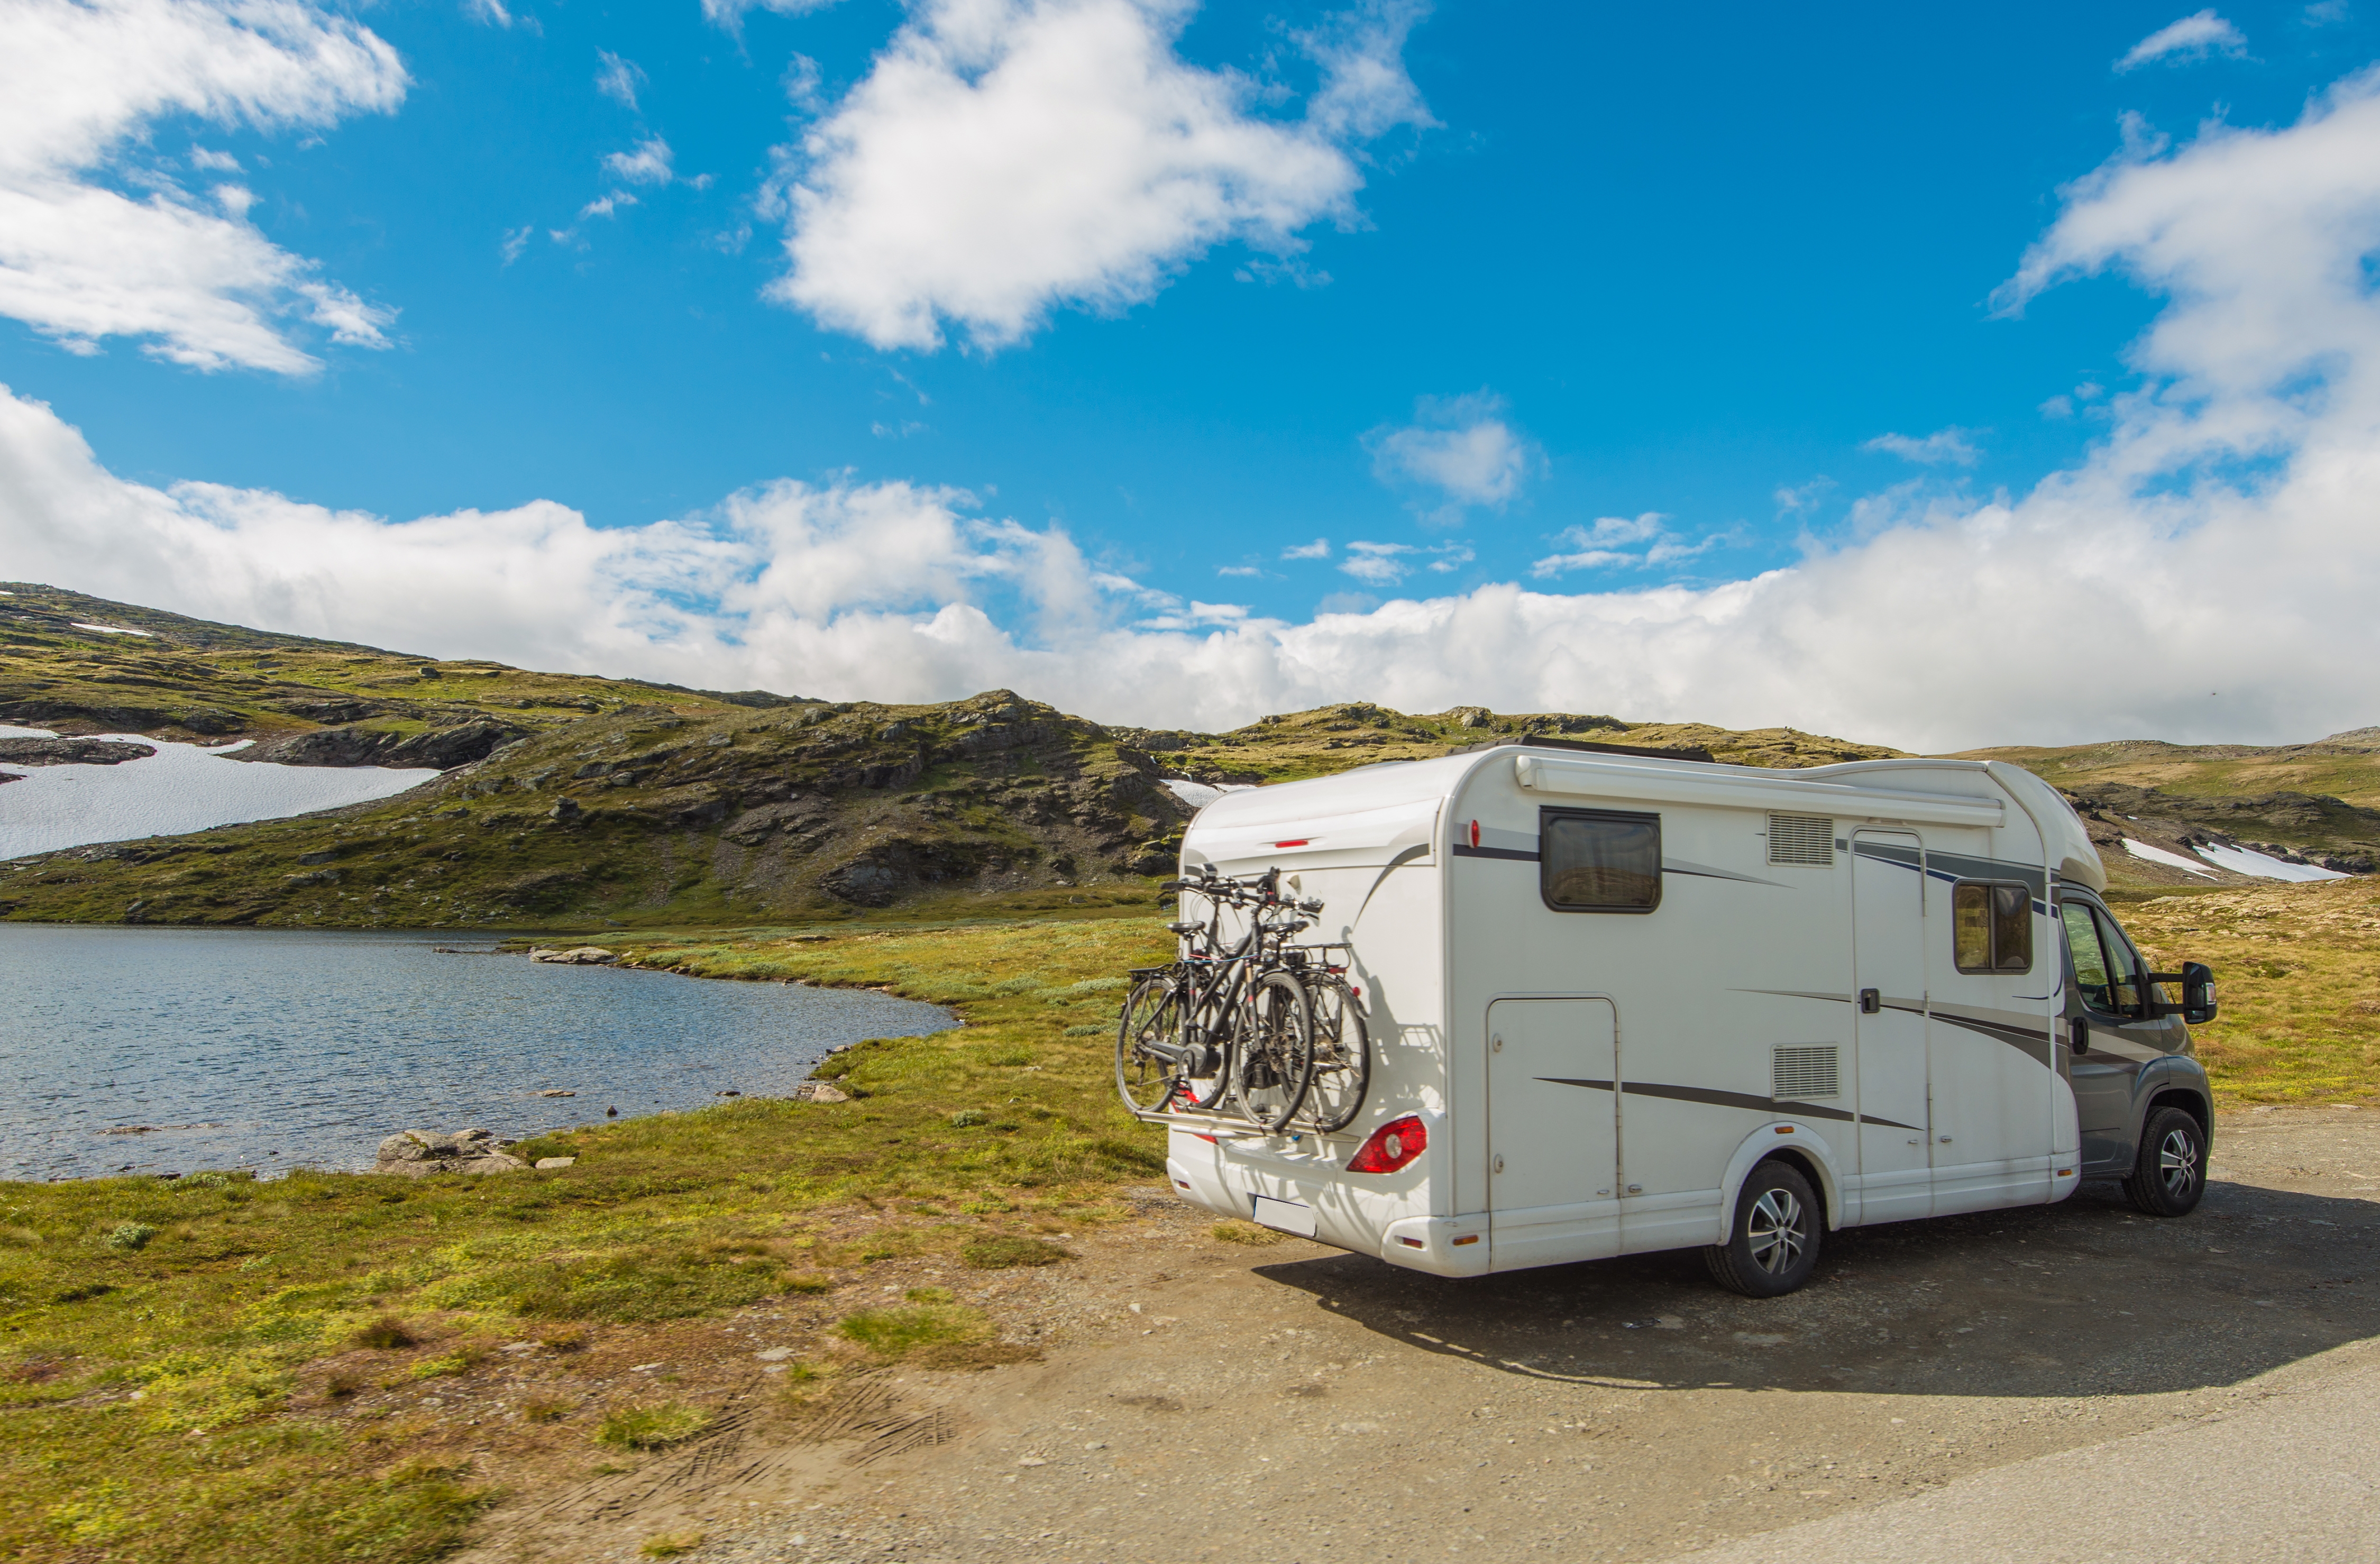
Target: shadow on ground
{"x":2083,"y":1298}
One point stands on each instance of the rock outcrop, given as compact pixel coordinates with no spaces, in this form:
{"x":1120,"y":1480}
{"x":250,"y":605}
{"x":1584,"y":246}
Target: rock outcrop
{"x":71,"y":751}
{"x":437,"y":748}
{"x":417,"y":1154}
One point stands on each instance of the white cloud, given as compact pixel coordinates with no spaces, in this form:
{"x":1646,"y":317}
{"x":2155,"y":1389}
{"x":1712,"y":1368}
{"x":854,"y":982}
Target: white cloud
{"x":1459,"y":446}
{"x":515,"y":241}
{"x":619,"y":79}
{"x":1378,"y":564}
{"x":83,"y":85}
{"x":1318,"y":549}
{"x":649,"y":164}
{"x":491,"y":12}
{"x":2219,"y":537}
{"x":603,"y":206}
{"x":730,"y":13}
{"x":1943,"y":445}
{"x":1248,"y":570}
{"x":1006,"y":157}
{"x":223,"y":162}
{"x":2193,"y":38}
{"x":1801,"y":501}
{"x":1613,"y":542}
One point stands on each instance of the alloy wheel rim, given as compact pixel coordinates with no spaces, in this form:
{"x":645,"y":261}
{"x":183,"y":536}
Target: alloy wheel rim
{"x":1775,"y":1232}
{"x":2178,"y":1162}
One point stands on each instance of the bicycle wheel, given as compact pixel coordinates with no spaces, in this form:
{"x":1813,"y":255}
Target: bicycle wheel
{"x":1152,"y":1013}
{"x":1273,"y":1056}
{"x":1343,"y":1058}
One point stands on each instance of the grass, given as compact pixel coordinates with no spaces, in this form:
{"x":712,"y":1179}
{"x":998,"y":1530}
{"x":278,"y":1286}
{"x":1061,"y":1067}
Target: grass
{"x":1237,"y":1231}
{"x":1002,"y":1250}
{"x":894,"y":1333}
{"x":2296,"y":968}
{"x":653,"y":1426}
{"x":375,"y":1280}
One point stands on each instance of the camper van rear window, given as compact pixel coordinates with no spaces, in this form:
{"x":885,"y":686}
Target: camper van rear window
{"x":1599,"y":861}
{"x":1991,"y":927}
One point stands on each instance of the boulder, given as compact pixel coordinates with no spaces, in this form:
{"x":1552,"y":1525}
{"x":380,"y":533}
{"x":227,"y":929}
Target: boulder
{"x":578,"y":956}
{"x":417,"y":1154}
{"x":544,"y":1162}
{"x":819,"y":1091}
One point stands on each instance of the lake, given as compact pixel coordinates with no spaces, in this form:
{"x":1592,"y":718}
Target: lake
{"x":268,"y":1048}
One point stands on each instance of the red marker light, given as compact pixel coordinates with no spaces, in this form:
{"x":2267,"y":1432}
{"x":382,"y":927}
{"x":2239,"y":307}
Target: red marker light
{"x":1392,"y":1146}
{"x":1475,"y":833}
{"x":1301,"y":842}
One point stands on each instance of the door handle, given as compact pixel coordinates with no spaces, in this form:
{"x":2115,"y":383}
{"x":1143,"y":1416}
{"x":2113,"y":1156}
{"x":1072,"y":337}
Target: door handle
{"x":1871,"y":1001}
{"x":2078,"y":1035}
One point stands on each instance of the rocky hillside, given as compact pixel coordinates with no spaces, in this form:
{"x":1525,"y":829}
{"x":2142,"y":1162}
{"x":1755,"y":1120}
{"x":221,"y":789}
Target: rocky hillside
{"x":79,"y":665}
{"x":2309,"y":803}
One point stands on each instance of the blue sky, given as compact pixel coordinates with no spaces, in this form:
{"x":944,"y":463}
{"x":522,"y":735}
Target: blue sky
{"x":1627,"y":297}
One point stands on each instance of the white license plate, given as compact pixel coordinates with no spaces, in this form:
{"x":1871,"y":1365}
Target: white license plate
{"x":1289,"y":1215}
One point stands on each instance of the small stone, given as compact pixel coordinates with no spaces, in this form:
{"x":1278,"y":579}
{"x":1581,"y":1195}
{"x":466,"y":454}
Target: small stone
{"x":774,"y":1354}
{"x":555,"y":1161}
{"x":1031,"y":1461}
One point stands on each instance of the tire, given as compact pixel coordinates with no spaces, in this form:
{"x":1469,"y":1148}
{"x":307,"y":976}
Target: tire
{"x":1342,"y":1059}
{"x":1272,"y":1056}
{"x":2169,"y":1174}
{"x":1152,"y":1013}
{"x":1774,"y":1245}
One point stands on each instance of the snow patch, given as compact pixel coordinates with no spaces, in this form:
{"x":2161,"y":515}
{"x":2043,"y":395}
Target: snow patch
{"x":110,"y":629}
{"x":2170,"y":860}
{"x":181,"y":788}
{"x":1198,"y":795}
{"x":2240,"y":860}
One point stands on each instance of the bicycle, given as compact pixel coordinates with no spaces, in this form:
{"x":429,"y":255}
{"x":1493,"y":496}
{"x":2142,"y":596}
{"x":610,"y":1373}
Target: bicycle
{"x":1221,"y":1021}
{"x":1342,"y":1053}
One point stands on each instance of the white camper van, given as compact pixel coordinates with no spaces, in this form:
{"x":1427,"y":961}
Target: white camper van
{"x":1621,"y":1001}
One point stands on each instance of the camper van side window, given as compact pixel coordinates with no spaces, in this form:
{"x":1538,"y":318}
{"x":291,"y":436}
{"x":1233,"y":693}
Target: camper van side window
{"x":1991,"y":927}
{"x":1599,"y":861}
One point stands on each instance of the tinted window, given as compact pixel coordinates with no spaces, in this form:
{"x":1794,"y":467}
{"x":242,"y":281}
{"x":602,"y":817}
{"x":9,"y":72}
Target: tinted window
{"x":1594,"y":861}
{"x":1992,"y":926}
{"x":2123,"y":965}
{"x":2090,"y":963}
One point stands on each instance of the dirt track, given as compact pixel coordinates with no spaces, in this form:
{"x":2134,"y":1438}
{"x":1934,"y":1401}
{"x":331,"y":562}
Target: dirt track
{"x":1294,"y":1403}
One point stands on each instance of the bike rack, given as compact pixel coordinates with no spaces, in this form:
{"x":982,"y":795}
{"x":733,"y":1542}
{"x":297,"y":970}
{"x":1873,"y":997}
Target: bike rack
{"x":1226,"y":1122}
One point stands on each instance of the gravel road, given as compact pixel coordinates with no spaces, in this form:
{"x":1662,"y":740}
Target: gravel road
{"x":1208,"y":1401}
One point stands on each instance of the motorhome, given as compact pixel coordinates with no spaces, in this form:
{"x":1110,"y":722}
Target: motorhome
{"x":1621,"y":1001}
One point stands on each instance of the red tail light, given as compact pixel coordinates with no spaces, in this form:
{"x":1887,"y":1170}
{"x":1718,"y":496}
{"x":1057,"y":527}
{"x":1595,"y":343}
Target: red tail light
{"x":1392,"y":1146}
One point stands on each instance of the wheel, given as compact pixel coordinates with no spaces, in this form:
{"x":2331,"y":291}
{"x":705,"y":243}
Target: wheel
{"x":1145,"y":1079}
{"x":2170,"y":1175}
{"x":1342,"y":1059}
{"x":1775,"y":1246}
{"x":1274,"y":1054}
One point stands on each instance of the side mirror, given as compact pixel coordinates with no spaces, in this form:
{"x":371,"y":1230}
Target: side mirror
{"x":2197,"y":993}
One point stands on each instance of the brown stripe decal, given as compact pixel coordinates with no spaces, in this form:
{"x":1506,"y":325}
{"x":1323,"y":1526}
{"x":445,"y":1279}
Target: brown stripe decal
{"x":1714,"y":1098}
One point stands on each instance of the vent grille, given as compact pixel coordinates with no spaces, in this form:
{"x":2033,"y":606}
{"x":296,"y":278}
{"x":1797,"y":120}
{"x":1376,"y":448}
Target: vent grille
{"x":1801,"y":839}
{"x":1807,"y":1071}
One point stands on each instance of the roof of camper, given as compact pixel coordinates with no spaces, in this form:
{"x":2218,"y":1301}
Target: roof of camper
{"x":1394,"y":787}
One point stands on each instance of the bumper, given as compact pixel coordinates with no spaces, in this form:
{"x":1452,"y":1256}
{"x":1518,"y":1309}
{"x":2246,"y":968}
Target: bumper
{"x":1385,"y":1216}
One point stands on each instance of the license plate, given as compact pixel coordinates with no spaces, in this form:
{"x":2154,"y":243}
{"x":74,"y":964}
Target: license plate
{"x":1289,"y":1215}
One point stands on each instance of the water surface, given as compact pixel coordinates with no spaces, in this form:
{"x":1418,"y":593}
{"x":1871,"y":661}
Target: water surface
{"x":267,"y":1049}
